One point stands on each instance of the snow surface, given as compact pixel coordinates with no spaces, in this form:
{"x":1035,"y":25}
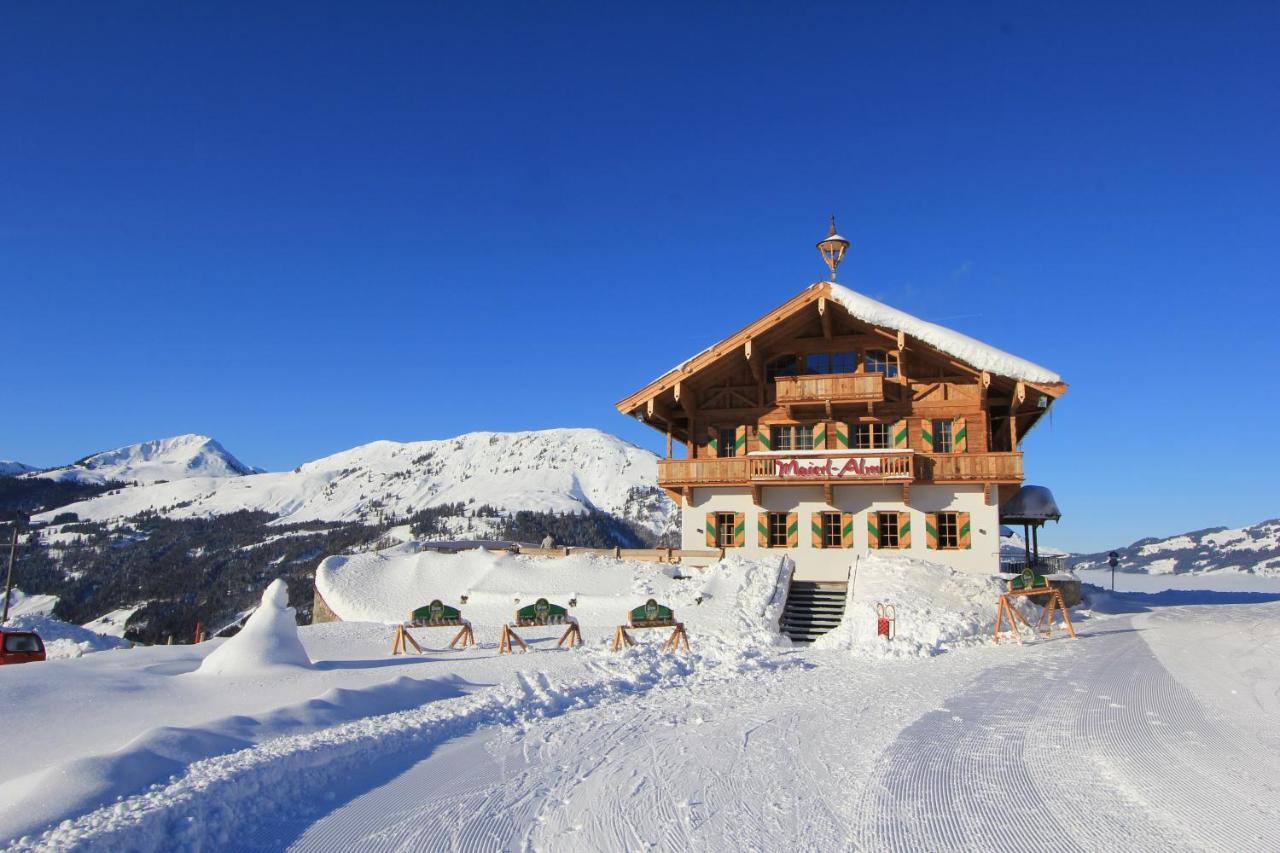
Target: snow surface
{"x":937,"y":607}
{"x":268,"y":642}
{"x":558,"y":470}
{"x":61,"y":639}
{"x":969,"y":350}
{"x":385,"y":586}
{"x":113,"y":624}
{"x":149,"y":462}
{"x":1137,"y":734}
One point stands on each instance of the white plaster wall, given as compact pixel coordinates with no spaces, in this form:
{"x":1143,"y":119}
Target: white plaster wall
{"x":834,"y":564}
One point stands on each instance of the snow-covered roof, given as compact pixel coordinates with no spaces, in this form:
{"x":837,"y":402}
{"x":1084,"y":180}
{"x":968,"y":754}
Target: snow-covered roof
{"x":969,"y":350}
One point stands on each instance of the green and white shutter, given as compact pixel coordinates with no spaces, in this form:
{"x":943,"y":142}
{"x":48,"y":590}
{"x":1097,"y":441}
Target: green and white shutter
{"x":901,"y":438}
{"x":843,"y":432}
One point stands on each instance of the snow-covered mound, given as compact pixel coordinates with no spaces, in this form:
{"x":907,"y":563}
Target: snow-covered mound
{"x":268,"y":642}
{"x":9,"y":468}
{"x":163,"y":459}
{"x":937,"y":607}
{"x":736,"y":601}
{"x":558,"y":470}
{"x":1249,"y":550}
{"x":61,"y":639}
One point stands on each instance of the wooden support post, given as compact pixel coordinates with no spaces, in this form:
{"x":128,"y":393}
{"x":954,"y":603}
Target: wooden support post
{"x":504,"y":642}
{"x":464,"y":635}
{"x":572,"y":634}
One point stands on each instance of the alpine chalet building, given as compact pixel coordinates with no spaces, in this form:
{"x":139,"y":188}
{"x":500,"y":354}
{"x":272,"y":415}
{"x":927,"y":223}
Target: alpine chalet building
{"x":836,"y":425}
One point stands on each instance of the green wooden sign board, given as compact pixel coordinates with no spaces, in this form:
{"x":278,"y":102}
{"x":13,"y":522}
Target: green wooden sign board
{"x":1029,"y":580}
{"x":651,"y":611}
{"x":436,"y":612}
{"x":541,"y":610}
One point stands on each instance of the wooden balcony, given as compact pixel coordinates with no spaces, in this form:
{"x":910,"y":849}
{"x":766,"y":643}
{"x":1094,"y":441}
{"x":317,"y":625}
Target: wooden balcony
{"x":842,"y":467}
{"x":970,"y":467}
{"x":830,"y":387}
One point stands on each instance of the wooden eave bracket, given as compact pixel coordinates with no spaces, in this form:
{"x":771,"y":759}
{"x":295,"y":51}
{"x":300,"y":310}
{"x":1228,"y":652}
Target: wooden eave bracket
{"x":825,"y":316}
{"x":828,"y":494}
{"x":757,"y":494}
{"x":906,"y":493}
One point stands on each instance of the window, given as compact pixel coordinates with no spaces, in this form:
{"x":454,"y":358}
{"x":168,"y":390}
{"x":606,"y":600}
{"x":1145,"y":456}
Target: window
{"x":879,"y":361}
{"x":871,"y":436}
{"x":728,"y":443}
{"x":831,"y":537}
{"x":844,"y":362}
{"x":830,"y":362}
{"x":942,"y":437}
{"x":22,"y":643}
{"x":777,"y":530}
{"x":724,"y":530}
{"x":790,"y":437}
{"x":783,"y":365}
{"x":887,"y":522}
{"x":948,"y":530}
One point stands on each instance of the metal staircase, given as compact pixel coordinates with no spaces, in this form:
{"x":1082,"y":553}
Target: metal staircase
{"x":812,"y":610}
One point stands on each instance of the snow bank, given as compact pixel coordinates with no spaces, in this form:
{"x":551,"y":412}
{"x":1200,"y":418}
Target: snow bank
{"x":967,"y":349}
{"x":938,"y":608}
{"x":268,"y":641}
{"x":736,"y":601}
{"x":61,"y":639}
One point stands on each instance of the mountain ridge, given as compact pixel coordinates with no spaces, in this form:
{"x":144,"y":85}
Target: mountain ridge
{"x":1253,"y":549}
{"x":565,"y":470}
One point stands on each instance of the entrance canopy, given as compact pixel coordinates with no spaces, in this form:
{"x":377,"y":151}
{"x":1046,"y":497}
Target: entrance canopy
{"x":1032,"y":505}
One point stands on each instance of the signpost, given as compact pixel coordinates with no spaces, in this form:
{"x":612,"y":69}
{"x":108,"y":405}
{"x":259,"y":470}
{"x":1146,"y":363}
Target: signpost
{"x":1113,"y":558}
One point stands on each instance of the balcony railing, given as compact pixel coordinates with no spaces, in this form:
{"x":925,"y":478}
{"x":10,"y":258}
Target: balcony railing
{"x":836,"y":387}
{"x":843,"y":467}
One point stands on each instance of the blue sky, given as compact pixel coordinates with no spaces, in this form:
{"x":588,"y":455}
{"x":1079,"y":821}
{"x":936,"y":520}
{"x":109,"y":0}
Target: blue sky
{"x":304,"y":227}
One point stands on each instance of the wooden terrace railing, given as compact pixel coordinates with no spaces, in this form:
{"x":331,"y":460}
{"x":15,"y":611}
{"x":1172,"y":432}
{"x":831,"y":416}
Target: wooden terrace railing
{"x":836,"y":387}
{"x":894,"y":467}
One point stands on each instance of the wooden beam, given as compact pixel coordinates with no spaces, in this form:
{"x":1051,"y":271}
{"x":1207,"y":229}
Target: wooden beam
{"x":825,"y":316}
{"x":828,"y":494}
{"x":754,"y":361}
{"x":757,"y":494}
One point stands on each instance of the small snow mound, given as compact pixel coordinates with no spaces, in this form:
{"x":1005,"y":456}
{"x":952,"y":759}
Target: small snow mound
{"x":268,"y":641}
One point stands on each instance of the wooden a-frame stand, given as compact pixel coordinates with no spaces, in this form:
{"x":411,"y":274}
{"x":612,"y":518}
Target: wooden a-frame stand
{"x":404,"y":639}
{"x":1045,"y":624}
{"x":572,"y":635}
{"x":672,"y":644}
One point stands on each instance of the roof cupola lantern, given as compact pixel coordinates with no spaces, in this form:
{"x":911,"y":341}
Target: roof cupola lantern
{"x":833,"y":247}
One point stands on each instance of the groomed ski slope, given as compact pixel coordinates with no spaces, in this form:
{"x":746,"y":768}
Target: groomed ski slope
{"x":1137,"y":736}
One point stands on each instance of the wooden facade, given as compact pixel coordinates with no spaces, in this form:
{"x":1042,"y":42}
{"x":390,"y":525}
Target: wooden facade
{"x":810,"y":388}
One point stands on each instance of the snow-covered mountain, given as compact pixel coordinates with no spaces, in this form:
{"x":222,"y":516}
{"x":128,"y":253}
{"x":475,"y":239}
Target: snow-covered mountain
{"x":1254,"y":549}
{"x":165,"y":459}
{"x":9,"y":468}
{"x":558,"y":470}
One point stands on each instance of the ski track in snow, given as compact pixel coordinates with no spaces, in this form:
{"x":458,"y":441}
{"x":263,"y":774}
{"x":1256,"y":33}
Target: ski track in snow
{"x":1024,"y":758}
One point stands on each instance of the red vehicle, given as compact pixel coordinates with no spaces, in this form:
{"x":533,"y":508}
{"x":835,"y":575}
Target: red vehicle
{"x":20,"y":647}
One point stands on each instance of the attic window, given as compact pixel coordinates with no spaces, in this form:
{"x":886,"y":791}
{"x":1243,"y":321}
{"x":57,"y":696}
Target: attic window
{"x":831,"y":362}
{"x":879,"y":361}
{"x":783,"y":365}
